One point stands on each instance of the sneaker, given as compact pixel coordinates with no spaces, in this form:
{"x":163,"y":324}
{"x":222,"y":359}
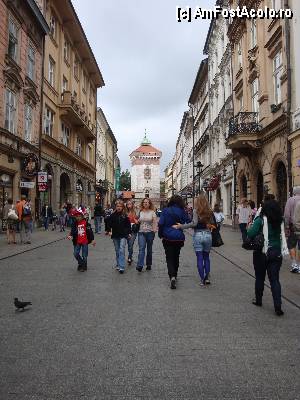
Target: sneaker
{"x":279,"y":312}
{"x":148,"y":268}
{"x":202,"y":283}
{"x":173,"y":283}
{"x":121,"y":271}
{"x":140,"y":269}
{"x":294,"y":268}
{"x":257,"y":303}
{"x":129,"y":261}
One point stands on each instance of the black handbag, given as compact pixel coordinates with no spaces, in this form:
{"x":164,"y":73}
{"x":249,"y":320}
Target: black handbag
{"x":135,"y":228}
{"x":217,"y":240}
{"x":254,"y":244}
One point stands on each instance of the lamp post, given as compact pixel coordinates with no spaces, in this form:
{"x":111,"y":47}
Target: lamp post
{"x":199,"y":167}
{"x":234,"y":162}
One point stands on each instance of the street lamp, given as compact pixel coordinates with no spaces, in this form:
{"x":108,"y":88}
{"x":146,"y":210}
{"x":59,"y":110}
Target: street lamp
{"x":199,"y":167}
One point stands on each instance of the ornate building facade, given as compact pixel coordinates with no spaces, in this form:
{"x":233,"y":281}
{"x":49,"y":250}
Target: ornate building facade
{"x":220,"y":109}
{"x":71,"y":80}
{"x":258,"y":132}
{"x":22,"y":32}
{"x":145,"y":172}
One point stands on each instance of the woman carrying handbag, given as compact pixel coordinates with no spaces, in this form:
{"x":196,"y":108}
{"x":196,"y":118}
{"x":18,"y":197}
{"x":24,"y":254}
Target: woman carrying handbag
{"x":269,"y":258}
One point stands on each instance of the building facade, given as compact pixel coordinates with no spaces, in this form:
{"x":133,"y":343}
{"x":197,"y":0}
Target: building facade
{"x":294,"y":137}
{"x":22,"y":32}
{"x":169,"y":179}
{"x":258,"y":131}
{"x":145,"y":172}
{"x":107,"y":161}
{"x":220,"y":110}
{"x":71,"y":80}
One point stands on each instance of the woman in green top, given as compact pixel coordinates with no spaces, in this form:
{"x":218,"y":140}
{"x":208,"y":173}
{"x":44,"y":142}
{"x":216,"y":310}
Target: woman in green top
{"x":269,"y":261}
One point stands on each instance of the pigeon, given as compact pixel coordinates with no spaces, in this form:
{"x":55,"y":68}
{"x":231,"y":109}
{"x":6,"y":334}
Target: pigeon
{"x":21,"y":304}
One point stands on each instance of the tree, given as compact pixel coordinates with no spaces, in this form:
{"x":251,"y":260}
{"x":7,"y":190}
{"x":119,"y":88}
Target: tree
{"x":125,"y":181}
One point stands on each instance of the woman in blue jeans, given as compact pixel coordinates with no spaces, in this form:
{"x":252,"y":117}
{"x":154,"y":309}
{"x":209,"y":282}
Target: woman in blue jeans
{"x":118,"y":227}
{"x":203,"y":222}
{"x":131,"y":214}
{"x":148,"y":227}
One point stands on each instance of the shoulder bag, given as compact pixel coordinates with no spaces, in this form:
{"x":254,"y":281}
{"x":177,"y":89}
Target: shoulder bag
{"x":217,"y":240}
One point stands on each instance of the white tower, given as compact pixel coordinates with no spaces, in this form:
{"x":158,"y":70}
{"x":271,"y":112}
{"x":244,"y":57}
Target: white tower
{"x":145,"y":172}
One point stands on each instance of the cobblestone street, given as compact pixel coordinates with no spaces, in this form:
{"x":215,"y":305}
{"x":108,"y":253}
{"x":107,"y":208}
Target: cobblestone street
{"x":100,"y":335}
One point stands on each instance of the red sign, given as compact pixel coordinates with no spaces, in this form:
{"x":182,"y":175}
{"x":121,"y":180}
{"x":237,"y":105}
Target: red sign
{"x":43,"y":187}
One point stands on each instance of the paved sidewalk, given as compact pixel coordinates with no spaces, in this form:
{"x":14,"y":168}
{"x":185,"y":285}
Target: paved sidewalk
{"x":234,"y":252}
{"x":39,"y":238}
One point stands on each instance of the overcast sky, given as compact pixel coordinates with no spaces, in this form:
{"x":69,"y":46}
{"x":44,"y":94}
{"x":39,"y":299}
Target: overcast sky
{"x":149,"y":62}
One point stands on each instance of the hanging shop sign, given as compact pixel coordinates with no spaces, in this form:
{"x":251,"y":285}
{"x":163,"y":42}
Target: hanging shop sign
{"x":31,"y":164}
{"x":27,"y":185}
{"x":43,"y":187}
{"x":42,"y":177}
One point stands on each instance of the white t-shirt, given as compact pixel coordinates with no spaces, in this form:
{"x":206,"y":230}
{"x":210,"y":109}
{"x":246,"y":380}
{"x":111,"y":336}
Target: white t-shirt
{"x":244,"y":214}
{"x":219,"y":217}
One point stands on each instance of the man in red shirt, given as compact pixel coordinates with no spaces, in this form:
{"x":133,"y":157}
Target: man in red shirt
{"x":82,"y":234}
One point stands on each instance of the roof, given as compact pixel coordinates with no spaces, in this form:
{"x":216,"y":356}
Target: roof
{"x":146,"y":148}
{"x":202,"y":72}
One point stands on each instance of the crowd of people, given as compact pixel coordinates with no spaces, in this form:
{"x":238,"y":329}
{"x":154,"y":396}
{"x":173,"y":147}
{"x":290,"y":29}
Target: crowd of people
{"x":127,"y":223}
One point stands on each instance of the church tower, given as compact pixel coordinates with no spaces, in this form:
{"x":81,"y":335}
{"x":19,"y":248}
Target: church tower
{"x":145,"y":172}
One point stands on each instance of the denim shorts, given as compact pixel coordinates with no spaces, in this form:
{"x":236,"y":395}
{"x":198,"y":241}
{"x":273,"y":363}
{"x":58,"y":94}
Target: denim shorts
{"x":202,"y":241}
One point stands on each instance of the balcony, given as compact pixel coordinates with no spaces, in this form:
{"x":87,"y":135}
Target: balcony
{"x":244,"y":131}
{"x":72,"y":112}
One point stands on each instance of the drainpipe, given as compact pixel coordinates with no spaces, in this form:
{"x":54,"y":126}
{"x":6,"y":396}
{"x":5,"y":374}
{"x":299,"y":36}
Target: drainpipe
{"x":289,"y":99}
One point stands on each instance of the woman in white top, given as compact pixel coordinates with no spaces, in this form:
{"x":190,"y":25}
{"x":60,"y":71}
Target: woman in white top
{"x":148,"y":227}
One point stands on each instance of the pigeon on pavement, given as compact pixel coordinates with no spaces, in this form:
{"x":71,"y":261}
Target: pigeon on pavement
{"x":21,"y":304}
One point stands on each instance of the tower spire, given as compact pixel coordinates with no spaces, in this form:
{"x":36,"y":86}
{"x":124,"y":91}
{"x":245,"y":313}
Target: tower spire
{"x":146,"y":141}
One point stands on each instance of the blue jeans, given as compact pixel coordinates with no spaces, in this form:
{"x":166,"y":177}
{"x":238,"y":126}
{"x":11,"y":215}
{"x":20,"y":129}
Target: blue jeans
{"x":97,"y":221}
{"x":120,"y":245}
{"x":130,"y":243}
{"x":82,"y":259}
{"x":202,"y":240}
{"x":145,"y":239}
{"x":46,"y":223}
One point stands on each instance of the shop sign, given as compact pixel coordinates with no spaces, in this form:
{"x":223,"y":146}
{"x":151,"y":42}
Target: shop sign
{"x":43,"y":187}
{"x":27,"y":185}
{"x":31,"y":164}
{"x":42,"y":177}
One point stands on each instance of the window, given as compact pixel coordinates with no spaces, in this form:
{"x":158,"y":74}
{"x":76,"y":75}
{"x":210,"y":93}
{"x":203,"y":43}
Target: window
{"x":92,"y":93}
{"x":255,"y":95}
{"x":241,"y":102}
{"x":49,"y":122}
{"x":28,"y":122}
{"x":66,"y":134}
{"x":64,"y":84}
{"x":253,"y":33}
{"x":78,"y":149}
{"x":10,"y":111}
{"x":52,"y":26}
{"x":76,"y":68}
{"x":66,"y":51}
{"x":277,"y":71}
{"x":89,"y":154}
{"x":31,"y":63}
{"x":51,"y":75}
{"x":240,"y":55}
{"x":13,"y":40}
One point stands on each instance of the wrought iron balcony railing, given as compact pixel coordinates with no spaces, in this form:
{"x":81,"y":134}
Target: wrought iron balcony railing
{"x":244,"y":123}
